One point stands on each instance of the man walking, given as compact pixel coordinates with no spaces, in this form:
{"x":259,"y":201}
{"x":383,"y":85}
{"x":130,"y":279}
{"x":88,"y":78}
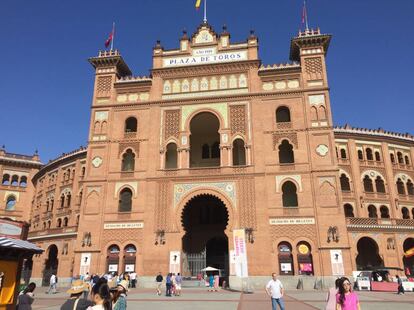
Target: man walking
{"x":158,"y":281}
{"x":133,"y":277}
{"x":52,"y":284}
{"x":274,"y":289}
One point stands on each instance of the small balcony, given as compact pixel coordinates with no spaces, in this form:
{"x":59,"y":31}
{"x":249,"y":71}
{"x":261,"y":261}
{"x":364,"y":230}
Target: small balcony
{"x":47,"y":215}
{"x":63,"y":211}
{"x":379,"y":224}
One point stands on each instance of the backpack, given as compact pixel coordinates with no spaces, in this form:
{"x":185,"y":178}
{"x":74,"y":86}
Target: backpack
{"x":56,"y":279}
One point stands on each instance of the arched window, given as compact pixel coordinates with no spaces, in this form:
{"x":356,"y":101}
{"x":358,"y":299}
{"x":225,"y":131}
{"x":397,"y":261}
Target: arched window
{"x":65,"y":222}
{"x":385,"y":213}
{"x":372,"y":211}
{"x":68,"y":199}
{"x":15,"y":180}
{"x":368,"y":187}
{"x":62,"y":201}
{"x":49,"y":223}
{"x":83,"y":171}
{"x":44,"y":225}
{"x":360,"y":155}
{"x":205,"y":151}
{"x":410,"y":188}
{"x":368,"y":152}
{"x":131,"y":124}
{"x":400,"y":158}
{"x":23,"y":181}
{"x":128,"y":161}
{"x":52,"y":202}
{"x":405,"y":213}
{"x":6,"y":179}
{"x":286,"y":155}
{"x":59,"y":223}
{"x":282,"y":115}
{"x":215,"y":150}
{"x":239,"y":153}
{"x":10,"y":203}
{"x":349,"y":210}
{"x":171,"y":156}
{"x":392,"y":158}
{"x":407,"y":160}
{"x":345,"y":186}
{"x":400,"y":187}
{"x":379,"y":185}
{"x":343,"y":153}
{"x":305,"y":258}
{"x":377,"y":156}
{"x":125,"y":200}
{"x":289,"y":195}
{"x":77,"y":219}
{"x":285,"y":259}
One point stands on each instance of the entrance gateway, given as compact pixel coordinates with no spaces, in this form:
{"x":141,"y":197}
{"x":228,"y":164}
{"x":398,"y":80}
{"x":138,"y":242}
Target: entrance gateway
{"x":205,"y":243}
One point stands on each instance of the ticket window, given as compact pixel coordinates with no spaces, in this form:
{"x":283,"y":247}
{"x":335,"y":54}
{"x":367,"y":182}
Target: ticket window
{"x":130,"y":252}
{"x":305,"y":259}
{"x":285,"y":259}
{"x":113,"y":258}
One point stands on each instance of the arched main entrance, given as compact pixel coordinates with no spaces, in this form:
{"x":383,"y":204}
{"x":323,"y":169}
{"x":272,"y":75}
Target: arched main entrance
{"x":368,"y":254}
{"x":51,"y":264}
{"x":204,"y":140}
{"x":408,"y":259}
{"x":204,"y":220}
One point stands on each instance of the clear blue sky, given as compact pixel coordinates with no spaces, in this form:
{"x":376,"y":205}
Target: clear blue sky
{"x":46,"y":81}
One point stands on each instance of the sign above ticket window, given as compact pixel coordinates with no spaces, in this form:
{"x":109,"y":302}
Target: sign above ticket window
{"x":203,"y":57}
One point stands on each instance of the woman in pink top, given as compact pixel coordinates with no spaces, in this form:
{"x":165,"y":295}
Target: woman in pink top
{"x":346,"y":299}
{"x":331,"y":297}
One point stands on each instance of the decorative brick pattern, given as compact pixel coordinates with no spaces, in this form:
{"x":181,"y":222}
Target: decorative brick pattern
{"x":125,"y":145}
{"x":122,"y":235}
{"x":104,"y":84}
{"x":238,"y":119}
{"x":247,"y":203}
{"x":278,"y":137}
{"x":161,"y":207}
{"x":292,"y":232}
{"x":313,"y":67}
{"x":172,"y":124}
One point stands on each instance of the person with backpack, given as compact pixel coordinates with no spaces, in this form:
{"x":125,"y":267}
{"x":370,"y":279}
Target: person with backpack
{"x":26,"y":298}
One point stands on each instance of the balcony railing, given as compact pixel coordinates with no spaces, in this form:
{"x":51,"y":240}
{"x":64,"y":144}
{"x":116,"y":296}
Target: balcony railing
{"x":47,"y":215}
{"x":63,"y":211}
{"x":356,"y":223}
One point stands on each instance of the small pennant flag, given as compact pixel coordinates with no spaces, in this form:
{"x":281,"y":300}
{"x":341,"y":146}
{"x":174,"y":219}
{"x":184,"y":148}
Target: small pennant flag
{"x":108,"y":41}
{"x":197,"y":4}
{"x":110,"y":37}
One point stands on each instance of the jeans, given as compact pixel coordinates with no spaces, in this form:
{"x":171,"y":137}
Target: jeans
{"x":168,"y":289}
{"x":52,"y":288}
{"x":278,"y":301}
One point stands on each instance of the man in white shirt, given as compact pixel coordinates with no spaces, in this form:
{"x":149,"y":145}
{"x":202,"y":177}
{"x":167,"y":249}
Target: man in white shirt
{"x":52,"y":283}
{"x":274,"y":289}
{"x":133,"y":277}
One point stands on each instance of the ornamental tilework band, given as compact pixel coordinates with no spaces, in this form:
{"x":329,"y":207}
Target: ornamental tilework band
{"x":238,"y":119}
{"x":172,"y":124}
{"x":226,"y":188}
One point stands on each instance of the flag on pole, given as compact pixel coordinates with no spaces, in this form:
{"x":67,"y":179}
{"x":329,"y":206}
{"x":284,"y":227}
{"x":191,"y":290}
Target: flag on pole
{"x":198,"y":4}
{"x":110,"y":39}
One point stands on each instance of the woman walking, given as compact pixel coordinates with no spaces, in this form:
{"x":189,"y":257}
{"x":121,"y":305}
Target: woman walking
{"x":331,"y":297}
{"x":119,"y":298}
{"x":101,"y":296}
{"x":346,"y":299}
{"x":26,"y":298}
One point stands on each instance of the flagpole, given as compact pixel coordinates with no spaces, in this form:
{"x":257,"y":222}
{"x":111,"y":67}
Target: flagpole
{"x":306,"y":16}
{"x":113,"y":36}
{"x":205,"y":11}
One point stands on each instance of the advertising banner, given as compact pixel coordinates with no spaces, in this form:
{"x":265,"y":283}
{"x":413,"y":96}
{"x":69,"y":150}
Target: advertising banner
{"x":175,"y":259}
{"x":337,"y":263}
{"x":85,"y":263}
{"x":239,"y":238}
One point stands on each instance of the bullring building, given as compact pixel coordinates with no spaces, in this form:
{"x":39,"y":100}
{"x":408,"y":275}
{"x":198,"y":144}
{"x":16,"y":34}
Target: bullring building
{"x":214,"y":141}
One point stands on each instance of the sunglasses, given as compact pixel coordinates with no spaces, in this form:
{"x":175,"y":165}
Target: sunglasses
{"x":346,"y":283}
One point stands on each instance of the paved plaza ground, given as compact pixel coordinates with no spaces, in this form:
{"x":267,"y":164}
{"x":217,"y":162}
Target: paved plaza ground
{"x":199,"y":298}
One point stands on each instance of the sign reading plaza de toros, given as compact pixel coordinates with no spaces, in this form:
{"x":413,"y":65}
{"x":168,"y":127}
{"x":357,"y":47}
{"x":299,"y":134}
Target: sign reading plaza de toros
{"x":205,"y":56}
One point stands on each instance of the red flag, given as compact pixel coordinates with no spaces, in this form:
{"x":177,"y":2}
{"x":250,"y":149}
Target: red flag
{"x":109,"y":40}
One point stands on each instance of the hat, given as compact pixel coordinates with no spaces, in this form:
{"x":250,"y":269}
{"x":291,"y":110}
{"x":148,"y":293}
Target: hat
{"x":77,"y":287}
{"x":124,"y":284}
